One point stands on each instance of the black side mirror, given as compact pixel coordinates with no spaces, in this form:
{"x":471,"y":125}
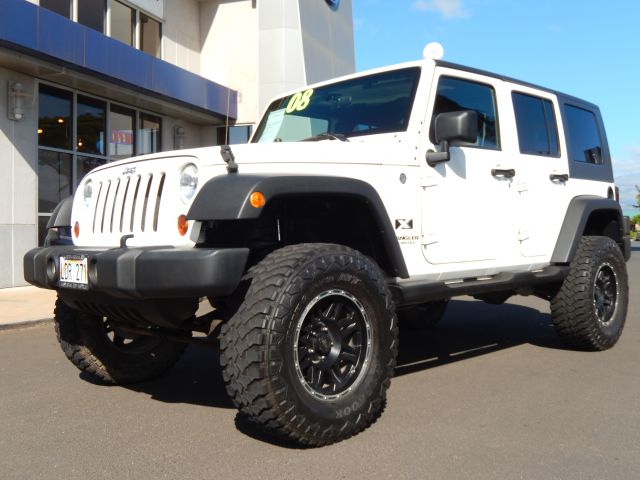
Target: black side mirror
{"x":452,"y":128}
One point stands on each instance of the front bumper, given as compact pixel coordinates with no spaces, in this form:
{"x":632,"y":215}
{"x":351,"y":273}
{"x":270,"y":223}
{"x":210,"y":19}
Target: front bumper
{"x":145,"y":272}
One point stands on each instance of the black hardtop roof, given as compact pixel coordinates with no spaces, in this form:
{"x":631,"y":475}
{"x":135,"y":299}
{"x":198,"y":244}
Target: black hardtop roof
{"x":561,"y":96}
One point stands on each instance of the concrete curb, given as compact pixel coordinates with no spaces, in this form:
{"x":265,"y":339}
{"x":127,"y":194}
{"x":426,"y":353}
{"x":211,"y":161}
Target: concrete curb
{"x":25,"y":324}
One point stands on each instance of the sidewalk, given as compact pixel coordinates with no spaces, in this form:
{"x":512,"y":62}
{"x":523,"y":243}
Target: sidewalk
{"x":24,"y":306}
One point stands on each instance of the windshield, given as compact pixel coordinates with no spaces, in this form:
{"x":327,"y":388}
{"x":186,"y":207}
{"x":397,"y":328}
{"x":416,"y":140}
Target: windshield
{"x":379,"y":103}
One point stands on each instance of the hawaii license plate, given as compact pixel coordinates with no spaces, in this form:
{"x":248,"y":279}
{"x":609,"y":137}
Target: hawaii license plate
{"x":73,"y":272}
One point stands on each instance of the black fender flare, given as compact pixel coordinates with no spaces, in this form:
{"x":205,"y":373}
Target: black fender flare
{"x":61,"y":215}
{"x":575,"y":220}
{"x":227,"y":197}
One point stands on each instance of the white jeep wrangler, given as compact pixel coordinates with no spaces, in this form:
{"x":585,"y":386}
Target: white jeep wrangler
{"x":388,"y":191}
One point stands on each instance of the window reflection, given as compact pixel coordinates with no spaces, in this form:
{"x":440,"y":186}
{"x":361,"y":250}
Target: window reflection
{"x":86,"y":164}
{"x":149,"y":135}
{"x":54,"y":120}
{"x":122,"y":138}
{"x":91,"y":125}
{"x":54,"y":179}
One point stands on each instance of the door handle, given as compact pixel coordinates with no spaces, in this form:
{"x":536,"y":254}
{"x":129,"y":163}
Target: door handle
{"x":559,"y":177}
{"x":506,"y":173}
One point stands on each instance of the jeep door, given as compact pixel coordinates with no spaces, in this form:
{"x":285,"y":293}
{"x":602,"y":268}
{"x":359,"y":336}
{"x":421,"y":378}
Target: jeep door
{"x":466,"y":206}
{"x":541,"y":193}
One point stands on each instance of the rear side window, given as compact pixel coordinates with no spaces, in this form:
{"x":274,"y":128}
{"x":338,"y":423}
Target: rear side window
{"x":536,"y":123}
{"x":454,"y":95}
{"x":585,"y":144}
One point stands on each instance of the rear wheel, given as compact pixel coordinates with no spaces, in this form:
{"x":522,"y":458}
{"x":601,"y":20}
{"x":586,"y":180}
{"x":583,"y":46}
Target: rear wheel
{"x":590,"y":309}
{"x":97,"y":345}
{"x":310,"y":352}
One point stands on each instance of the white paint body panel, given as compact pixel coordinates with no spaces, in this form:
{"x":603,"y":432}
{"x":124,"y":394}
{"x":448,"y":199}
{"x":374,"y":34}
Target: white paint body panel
{"x":466,"y":222}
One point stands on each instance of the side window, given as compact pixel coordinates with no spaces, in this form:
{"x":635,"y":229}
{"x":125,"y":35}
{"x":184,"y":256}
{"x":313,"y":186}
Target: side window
{"x":536,"y":123}
{"x":455,"y":94}
{"x":584,"y":138}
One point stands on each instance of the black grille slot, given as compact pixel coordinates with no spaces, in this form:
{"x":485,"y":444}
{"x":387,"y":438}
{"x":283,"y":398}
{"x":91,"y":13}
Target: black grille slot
{"x":158,"y":198}
{"x":124,"y":202}
{"x":95,"y":212}
{"x":133,"y":209}
{"x":146,"y":202}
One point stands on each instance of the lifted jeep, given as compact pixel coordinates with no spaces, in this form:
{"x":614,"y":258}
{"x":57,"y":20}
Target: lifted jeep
{"x":345,"y":208}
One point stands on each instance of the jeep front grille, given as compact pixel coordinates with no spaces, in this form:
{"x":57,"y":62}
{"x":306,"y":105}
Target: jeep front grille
{"x":128,"y":204}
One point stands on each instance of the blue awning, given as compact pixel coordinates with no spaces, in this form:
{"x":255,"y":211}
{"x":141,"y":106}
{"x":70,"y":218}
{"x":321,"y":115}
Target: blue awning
{"x":41,"y":33}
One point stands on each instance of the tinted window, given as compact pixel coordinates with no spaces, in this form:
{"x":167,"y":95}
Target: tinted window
{"x":55,"y":121}
{"x":454,"y":95}
{"x":91,"y":125}
{"x":536,"y":123}
{"x":54,"y":179}
{"x":61,"y":7}
{"x":91,"y":13}
{"x":584,"y":137}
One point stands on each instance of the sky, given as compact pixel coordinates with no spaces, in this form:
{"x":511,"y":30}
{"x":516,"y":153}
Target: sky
{"x":586,"y":48}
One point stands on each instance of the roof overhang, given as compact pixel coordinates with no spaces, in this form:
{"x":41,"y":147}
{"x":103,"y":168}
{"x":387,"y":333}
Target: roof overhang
{"x":38,"y":42}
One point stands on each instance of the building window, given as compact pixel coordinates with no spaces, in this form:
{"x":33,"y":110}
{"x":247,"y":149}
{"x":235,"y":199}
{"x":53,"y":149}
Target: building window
{"x":73,"y":131}
{"x":61,"y":7}
{"x":123,"y":23}
{"x":536,"y":124}
{"x":150,"y":35}
{"x":455,"y":94}
{"x":55,"y":118}
{"x":91,"y":13}
{"x":122,"y":137}
{"x":115,"y":18}
{"x":149,"y":138}
{"x":234,"y":134}
{"x":91,"y":125}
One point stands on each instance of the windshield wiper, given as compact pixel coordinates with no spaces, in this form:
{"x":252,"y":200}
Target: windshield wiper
{"x":326,"y":136}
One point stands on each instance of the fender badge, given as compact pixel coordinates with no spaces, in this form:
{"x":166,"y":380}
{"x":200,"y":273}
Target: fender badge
{"x":404,"y":223}
{"x":129,"y":171}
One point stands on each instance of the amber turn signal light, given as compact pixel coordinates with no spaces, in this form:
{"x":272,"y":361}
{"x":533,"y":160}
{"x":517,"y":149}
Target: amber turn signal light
{"x":183,"y":225}
{"x":76,"y":229}
{"x":257,"y":200}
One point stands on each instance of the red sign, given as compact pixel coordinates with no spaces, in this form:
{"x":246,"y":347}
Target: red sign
{"x":122,"y":137}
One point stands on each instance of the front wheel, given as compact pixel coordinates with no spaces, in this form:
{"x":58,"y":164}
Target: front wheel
{"x":590,"y":309}
{"x":97,"y":346}
{"x":310,"y":353}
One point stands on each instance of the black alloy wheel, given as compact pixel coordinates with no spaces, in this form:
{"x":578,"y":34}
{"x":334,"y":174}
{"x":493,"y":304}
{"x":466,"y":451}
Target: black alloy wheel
{"x":605,"y":293}
{"x":332,"y":344}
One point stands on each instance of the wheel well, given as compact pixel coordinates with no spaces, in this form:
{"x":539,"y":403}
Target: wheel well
{"x":290,"y":220}
{"x":604,"y":223}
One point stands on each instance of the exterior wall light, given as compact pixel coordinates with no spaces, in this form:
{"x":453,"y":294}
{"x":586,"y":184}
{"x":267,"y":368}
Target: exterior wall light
{"x":178,"y":137}
{"x":15,"y":100}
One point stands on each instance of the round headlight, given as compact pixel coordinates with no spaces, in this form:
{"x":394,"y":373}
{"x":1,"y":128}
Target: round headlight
{"x":188,"y":182}
{"x":87,"y":192}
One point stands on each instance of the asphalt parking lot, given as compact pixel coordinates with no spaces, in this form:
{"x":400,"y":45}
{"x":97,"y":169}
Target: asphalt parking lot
{"x":489,"y":394}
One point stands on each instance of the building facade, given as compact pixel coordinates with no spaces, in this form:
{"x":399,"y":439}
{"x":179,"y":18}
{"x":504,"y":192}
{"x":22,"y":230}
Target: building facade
{"x":85,"y":82}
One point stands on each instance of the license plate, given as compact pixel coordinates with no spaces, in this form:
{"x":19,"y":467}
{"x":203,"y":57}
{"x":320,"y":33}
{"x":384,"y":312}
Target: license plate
{"x":73,"y":272}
